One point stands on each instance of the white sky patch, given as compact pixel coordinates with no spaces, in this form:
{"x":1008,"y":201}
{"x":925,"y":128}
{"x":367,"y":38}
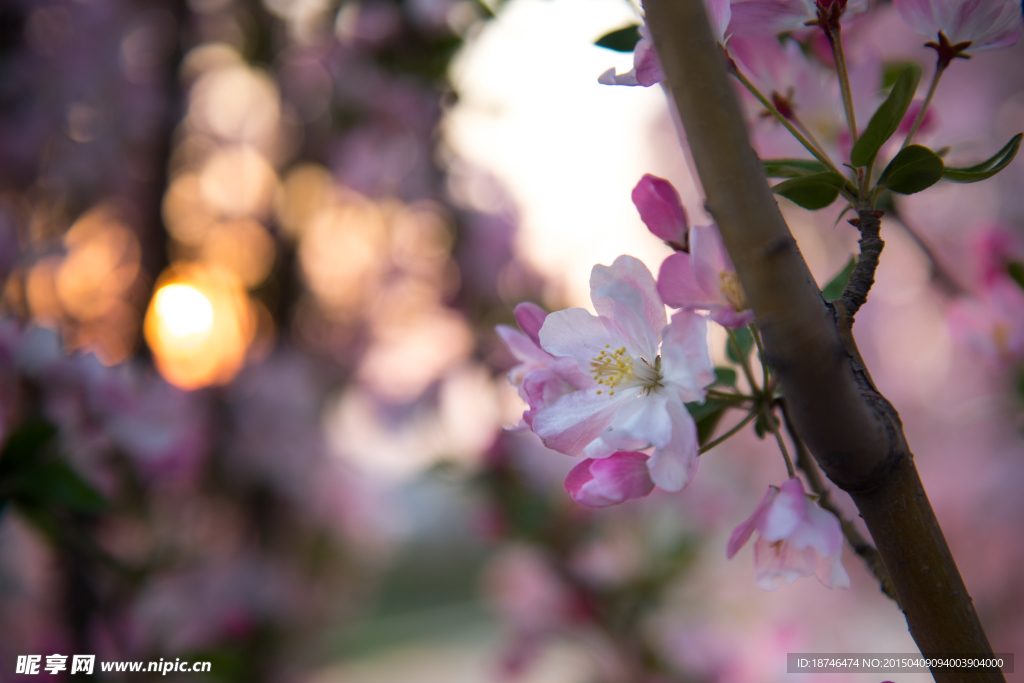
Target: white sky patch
{"x":569,"y":150}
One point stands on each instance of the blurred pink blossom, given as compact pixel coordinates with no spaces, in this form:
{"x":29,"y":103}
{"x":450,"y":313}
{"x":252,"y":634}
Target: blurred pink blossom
{"x":772,"y":17}
{"x":642,"y":372}
{"x":796,"y":538}
{"x":705,"y":279}
{"x":992,"y":324}
{"x":983,"y":24}
{"x":621,"y":476}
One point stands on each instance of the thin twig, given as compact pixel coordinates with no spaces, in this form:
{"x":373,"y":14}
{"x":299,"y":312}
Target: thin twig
{"x":939,"y":70}
{"x":743,"y":423}
{"x":863,"y":277}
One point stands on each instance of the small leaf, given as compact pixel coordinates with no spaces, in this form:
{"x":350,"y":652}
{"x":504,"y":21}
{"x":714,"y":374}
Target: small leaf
{"x":815,"y":191}
{"x":888,"y":117}
{"x":792,"y":168}
{"x":724,"y":377}
{"x":24,"y":445}
{"x":707,"y":416}
{"x":834,"y":289}
{"x":55,"y":483}
{"x":622,"y":40}
{"x":987,"y":168}
{"x":1015,"y":269}
{"x":914,"y":169}
{"x":746,"y":342}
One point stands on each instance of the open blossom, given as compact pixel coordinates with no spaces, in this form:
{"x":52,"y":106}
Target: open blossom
{"x":796,"y":538}
{"x":705,"y":280}
{"x":646,"y":66}
{"x":980,"y":23}
{"x":540,"y":377}
{"x":641,"y":374}
{"x":599,"y":483}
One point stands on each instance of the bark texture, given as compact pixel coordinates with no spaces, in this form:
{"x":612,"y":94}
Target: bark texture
{"x":853,"y":432}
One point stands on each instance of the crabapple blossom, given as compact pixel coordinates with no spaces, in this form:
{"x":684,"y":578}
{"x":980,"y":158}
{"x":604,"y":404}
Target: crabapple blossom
{"x":603,"y":482}
{"x":992,"y":324}
{"x":963,"y":24}
{"x":662,"y":211}
{"x":539,"y":377}
{"x":641,"y":374}
{"x":796,"y":538}
{"x":705,"y":279}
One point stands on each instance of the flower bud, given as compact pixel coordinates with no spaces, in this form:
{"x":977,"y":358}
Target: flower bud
{"x":662,"y":211}
{"x":603,"y":482}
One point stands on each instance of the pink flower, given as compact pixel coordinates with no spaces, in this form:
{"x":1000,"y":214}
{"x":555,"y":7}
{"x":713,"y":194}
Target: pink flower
{"x":705,"y":280}
{"x":662,"y":211}
{"x":772,"y":17}
{"x":646,"y":66}
{"x":642,"y":372}
{"x":621,"y":476}
{"x":796,"y":538}
{"x":540,"y":377}
{"x":981,"y":23}
{"x":993,"y":324}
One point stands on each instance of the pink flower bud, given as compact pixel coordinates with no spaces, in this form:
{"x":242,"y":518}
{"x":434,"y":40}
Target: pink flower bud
{"x":661,"y":210}
{"x":603,"y":482}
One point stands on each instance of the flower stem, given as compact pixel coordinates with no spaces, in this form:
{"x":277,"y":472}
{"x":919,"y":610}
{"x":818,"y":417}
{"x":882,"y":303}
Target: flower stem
{"x":726,"y":396}
{"x":760,"y":354}
{"x":742,"y":423}
{"x":773,"y":423}
{"x":835,"y":40}
{"x":744,"y":363}
{"x":819,"y":154}
{"x":940,"y":69}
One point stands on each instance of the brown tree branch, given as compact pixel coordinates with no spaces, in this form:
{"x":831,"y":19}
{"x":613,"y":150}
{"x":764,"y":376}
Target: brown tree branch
{"x":853,"y":431}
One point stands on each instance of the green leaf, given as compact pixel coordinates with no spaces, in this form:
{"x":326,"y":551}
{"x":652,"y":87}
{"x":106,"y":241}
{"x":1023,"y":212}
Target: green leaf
{"x":55,"y":483}
{"x":24,"y":445}
{"x":834,"y":289}
{"x":914,"y":169}
{"x":815,"y":191}
{"x":1014,"y":269}
{"x":987,"y":168}
{"x":746,"y":342}
{"x":707,"y":416}
{"x":724,"y":377}
{"x":622,"y":40}
{"x":888,"y":117}
{"x":792,"y":168}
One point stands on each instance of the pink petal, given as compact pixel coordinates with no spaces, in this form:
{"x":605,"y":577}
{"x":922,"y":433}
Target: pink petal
{"x":578,"y":333}
{"x":780,"y":564}
{"x":768,"y":17}
{"x":678,"y":286}
{"x":646,"y":65}
{"x":674,"y":465}
{"x":660,"y":209}
{"x":728,"y":316}
{"x":831,"y":573}
{"x":609,"y":77}
{"x":530,"y":317}
{"x":720,"y":14}
{"x":626,"y":293}
{"x":523,"y":348}
{"x":786,"y":513}
{"x":710,"y":260}
{"x":686,"y":364}
{"x":620,"y":477}
{"x":576,"y":419}
{"x":741,"y":534}
{"x":820,"y":530}
{"x":645,"y":419}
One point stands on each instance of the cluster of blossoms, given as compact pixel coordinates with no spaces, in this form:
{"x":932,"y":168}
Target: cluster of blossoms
{"x":610,"y":386}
